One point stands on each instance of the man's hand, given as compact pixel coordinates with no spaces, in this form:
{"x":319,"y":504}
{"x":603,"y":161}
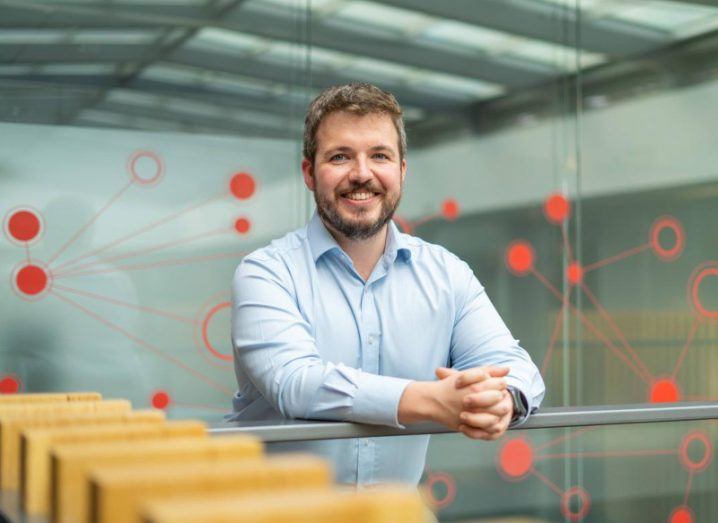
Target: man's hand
{"x":478,"y":392}
{"x":487,"y":405}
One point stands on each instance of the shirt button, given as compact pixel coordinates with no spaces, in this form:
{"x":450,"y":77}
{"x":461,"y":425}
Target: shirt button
{"x":371,"y":339}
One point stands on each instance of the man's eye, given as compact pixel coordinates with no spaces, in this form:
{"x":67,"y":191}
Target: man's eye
{"x":338,"y":158}
{"x":381,"y":156}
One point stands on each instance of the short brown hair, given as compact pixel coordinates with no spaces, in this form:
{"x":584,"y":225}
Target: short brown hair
{"x":356,"y":98}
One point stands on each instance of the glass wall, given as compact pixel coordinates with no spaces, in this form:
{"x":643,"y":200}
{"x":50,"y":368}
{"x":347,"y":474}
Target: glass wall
{"x":565,"y":149}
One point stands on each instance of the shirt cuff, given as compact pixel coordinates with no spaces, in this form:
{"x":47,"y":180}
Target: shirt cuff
{"x":530,"y":409}
{"x":377,"y":399}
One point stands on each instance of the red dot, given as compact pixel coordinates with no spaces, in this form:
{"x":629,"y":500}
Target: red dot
{"x":574,"y":273}
{"x":242,"y":185}
{"x":667,"y":223}
{"x":31,"y":280}
{"x":665,"y":390}
{"x":681,"y":514}
{"x":450,"y":209}
{"x":242,"y":225}
{"x":584,"y":501}
{"x":9,"y":385}
{"x":160,"y":399}
{"x":24,"y":225}
{"x":556,"y":208}
{"x":520,"y":257}
{"x":516,"y":458}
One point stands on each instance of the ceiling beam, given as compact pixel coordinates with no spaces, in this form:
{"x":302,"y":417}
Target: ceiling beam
{"x":543,"y":21}
{"x":282,"y":25}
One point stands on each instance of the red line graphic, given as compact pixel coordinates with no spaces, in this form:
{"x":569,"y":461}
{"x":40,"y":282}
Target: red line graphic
{"x":617,"y":257}
{"x":140,"y":252}
{"x":589,"y":325}
{"x":604,"y":313}
{"x":554,"y":336}
{"x":163,"y":263}
{"x":141,"y":230}
{"x":92,"y":220}
{"x":547,"y":481}
{"x":126,"y":304}
{"x":609,"y":454}
{"x":560,"y":439}
{"x":689,"y":342}
{"x":156,"y":350}
{"x":688,"y":487}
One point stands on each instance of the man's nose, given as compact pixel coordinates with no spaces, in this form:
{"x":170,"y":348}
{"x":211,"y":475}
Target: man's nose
{"x":361,"y":172}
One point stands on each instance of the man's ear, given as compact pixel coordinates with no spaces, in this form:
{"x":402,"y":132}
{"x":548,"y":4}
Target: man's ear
{"x":403,"y":169}
{"x":307,"y":172}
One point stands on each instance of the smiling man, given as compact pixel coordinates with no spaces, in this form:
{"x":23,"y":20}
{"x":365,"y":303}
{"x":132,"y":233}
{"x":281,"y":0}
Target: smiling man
{"x":349,"y":319}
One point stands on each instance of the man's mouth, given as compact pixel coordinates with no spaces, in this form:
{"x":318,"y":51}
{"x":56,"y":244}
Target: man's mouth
{"x":358,"y":196}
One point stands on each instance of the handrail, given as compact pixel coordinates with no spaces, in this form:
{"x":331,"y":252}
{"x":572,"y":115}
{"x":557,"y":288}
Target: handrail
{"x":557,"y":417}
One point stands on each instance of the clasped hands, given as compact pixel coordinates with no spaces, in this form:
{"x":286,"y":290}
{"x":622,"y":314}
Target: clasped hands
{"x":475,"y":401}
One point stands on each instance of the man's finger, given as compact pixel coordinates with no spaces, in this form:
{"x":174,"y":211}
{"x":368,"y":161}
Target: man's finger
{"x":480,"y":420}
{"x":478,"y":374}
{"x":489,"y":384}
{"x":469,"y":376}
{"x":444,"y":372}
{"x":483,"y":400}
{"x":475,"y":433}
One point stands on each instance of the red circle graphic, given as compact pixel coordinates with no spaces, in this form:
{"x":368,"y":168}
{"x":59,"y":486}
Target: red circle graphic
{"x":449,"y":483}
{"x":556,"y":208}
{"x":686,"y":461}
{"x":515,"y":459}
{"x":30,"y":280}
{"x":664,"y":390}
{"x":242,"y":225}
{"x":23,"y":225}
{"x":660,"y":225}
{"x":520,"y":257}
{"x":694,"y":282}
{"x":450,"y":209}
{"x":682,"y":514}
{"x":205,"y":327}
{"x":574,"y":273}
{"x":161,"y":399}
{"x":10,"y":384}
{"x":242,"y":186}
{"x":583,"y":497}
{"x":159,"y":167}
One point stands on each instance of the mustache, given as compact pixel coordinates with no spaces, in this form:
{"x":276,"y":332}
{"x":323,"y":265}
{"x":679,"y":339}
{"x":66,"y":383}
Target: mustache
{"x":369,"y":186}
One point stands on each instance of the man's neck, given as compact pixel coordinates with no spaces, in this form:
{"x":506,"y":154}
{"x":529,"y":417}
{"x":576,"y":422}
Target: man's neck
{"x":364,"y":253}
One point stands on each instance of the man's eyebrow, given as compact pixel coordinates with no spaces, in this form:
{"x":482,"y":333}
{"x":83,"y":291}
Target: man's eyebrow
{"x":338,"y":149}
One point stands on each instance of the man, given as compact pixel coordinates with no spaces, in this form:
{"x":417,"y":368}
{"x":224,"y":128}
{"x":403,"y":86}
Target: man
{"x":349,"y":319}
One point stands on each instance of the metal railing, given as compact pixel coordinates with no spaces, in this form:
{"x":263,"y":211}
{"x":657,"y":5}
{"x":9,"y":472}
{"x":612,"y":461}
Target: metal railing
{"x":295,"y":430}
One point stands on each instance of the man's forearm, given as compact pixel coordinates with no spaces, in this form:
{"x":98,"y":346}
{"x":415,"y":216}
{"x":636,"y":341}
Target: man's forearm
{"x":417,"y":403}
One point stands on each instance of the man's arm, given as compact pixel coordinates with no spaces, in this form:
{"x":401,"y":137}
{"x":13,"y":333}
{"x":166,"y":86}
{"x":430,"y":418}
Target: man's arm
{"x":480,"y":338}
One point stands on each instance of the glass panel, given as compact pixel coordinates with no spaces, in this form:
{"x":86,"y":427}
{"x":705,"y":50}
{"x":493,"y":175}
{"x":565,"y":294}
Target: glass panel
{"x":642,"y":473}
{"x":136,"y":172}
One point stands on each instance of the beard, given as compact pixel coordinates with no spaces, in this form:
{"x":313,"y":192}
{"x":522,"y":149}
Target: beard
{"x":358,"y":227}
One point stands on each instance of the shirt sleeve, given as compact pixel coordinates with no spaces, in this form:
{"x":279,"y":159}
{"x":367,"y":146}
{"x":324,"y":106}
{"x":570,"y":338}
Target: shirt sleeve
{"x":481,"y":338}
{"x":274,"y":346}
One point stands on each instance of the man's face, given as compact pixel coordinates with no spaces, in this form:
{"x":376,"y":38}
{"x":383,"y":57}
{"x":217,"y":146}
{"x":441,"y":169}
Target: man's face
{"x":357,"y":173}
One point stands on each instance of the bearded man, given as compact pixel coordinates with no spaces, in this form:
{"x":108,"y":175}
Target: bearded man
{"x":348,"y":319}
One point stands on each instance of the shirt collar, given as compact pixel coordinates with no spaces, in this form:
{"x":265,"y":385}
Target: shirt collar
{"x":321,"y":241}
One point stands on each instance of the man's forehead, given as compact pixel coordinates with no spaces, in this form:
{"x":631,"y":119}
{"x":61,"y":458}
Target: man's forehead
{"x":376,"y":129}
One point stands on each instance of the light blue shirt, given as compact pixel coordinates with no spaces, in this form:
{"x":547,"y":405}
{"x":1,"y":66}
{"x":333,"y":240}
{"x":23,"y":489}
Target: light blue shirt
{"x":312,"y":339}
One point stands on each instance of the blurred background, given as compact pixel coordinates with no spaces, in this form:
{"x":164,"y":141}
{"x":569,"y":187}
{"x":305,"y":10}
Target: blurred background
{"x":566,"y":149}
